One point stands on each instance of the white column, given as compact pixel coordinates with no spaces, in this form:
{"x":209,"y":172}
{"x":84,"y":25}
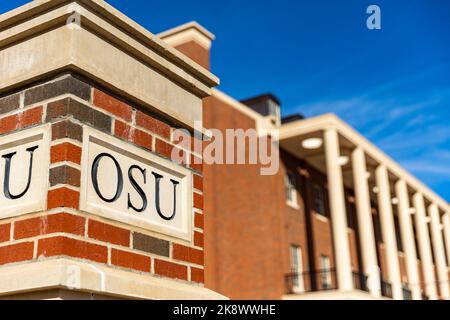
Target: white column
{"x":388,"y":231}
{"x":439,"y":251}
{"x":338,"y":213}
{"x":365,"y":222}
{"x":446,"y":221}
{"x":407,"y":234}
{"x":423,"y":239}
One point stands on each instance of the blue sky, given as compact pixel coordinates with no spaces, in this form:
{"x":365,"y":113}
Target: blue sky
{"x":318,"y":56}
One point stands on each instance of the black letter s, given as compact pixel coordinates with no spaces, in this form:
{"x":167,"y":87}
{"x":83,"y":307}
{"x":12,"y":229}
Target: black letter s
{"x":138,"y":188}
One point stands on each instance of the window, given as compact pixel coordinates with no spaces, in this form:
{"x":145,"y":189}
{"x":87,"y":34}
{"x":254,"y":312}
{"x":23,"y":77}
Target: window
{"x":319,"y":200}
{"x":398,"y":232}
{"x":274,"y":111}
{"x":445,"y":246}
{"x":291,"y":191}
{"x":325,"y":274}
{"x":297,"y":269}
{"x":433,"y":253}
{"x":351,"y":213}
{"x":416,"y":240}
{"x":273,"y":108}
{"x":377,"y":228}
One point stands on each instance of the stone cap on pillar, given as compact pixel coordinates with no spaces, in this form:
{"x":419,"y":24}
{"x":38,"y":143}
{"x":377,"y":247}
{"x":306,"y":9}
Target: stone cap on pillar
{"x":81,"y":82}
{"x":90,"y":37}
{"x":191,"y":31}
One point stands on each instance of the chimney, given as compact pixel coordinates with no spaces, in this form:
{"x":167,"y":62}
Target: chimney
{"x":192,"y":40}
{"x":267,"y":105}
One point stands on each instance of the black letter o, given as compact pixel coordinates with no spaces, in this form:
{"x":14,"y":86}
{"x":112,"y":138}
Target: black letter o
{"x":94,"y":174}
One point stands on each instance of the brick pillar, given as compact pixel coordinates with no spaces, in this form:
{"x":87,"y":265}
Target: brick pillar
{"x":64,"y":228}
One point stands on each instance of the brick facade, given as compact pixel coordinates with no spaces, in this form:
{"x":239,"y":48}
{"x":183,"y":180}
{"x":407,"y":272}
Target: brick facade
{"x":243,"y":227}
{"x":250,"y":227}
{"x":68,"y":102}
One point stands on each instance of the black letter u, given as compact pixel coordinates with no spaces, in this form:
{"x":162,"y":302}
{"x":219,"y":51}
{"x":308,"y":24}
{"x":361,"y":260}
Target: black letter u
{"x":158,"y":178}
{"x":8,"y":159}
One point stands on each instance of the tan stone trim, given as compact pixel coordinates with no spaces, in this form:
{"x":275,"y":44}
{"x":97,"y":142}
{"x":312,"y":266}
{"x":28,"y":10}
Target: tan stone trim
{"x":148,"y":158}
{"x":167,"y":83}
{"x":191,"y":31}
{"x":52,"y":274}
{"x":39,"y":134}
{"x":20,"y":142}
{"x":118,"y":19}
{"x":189,"y":25}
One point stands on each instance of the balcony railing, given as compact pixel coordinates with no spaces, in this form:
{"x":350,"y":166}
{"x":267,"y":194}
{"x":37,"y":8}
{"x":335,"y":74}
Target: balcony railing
{"x":386,"y":289}
{"x":360,"y":281}
{"x":311,"y":281}
{"x":320,"y":280}
{"x":407,"y":294}
{"x":326,"y":280}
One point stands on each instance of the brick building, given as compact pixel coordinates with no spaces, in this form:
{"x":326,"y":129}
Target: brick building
{"x":93,"y":204}
{"x":340,"y":220}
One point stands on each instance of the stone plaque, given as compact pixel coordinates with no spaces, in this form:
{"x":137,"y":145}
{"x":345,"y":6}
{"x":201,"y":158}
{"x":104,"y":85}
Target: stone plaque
{"x":24,"y":168}
{"x":124,"y":183}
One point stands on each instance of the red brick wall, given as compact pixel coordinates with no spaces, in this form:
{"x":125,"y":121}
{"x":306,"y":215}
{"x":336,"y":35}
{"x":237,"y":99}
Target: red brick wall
{"x":250,"y":227}
{"x":62,"y":230}
{"x":295,"y":224}
{"x":243,"y":227}
{"x":196,"y":52}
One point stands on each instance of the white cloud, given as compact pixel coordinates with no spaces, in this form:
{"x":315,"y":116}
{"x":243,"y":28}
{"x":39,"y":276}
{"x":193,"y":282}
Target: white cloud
{"x":414,"y":129}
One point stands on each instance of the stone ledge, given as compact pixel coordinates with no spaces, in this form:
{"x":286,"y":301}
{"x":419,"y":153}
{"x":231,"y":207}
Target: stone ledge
{"x":105,"y":11}
{"x":128,"y":60}
{"x":56,"y":274}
